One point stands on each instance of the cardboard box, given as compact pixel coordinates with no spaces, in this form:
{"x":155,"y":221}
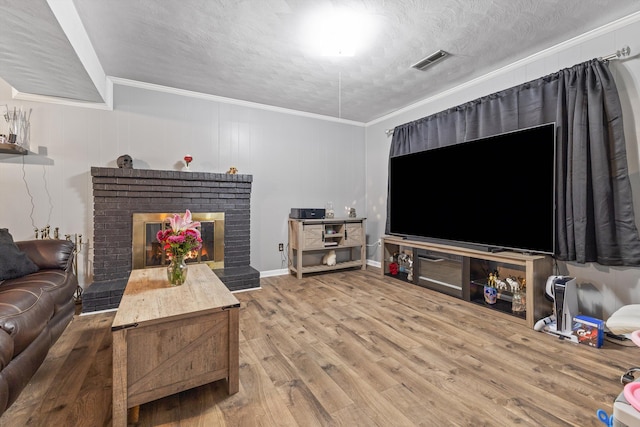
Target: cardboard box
{"x":589,"y":330}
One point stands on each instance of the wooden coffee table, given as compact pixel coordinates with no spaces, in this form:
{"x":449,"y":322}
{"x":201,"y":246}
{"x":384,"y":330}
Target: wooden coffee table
{"x":169,"y":339}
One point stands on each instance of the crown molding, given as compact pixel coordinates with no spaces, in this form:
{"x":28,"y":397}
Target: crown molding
{"x":107,"y":105}
{"x":221,"y":99}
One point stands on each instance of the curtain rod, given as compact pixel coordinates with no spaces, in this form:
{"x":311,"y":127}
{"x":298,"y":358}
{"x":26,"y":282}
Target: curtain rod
{"x":625,"y":51}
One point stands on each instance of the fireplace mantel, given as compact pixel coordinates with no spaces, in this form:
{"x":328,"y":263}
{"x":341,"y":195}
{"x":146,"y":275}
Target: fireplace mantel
{"x":118,"y":193}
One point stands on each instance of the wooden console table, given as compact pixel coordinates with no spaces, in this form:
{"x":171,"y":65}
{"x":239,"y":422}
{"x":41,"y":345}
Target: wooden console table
{"x":313,"y":238}
{"x":169,"y":339}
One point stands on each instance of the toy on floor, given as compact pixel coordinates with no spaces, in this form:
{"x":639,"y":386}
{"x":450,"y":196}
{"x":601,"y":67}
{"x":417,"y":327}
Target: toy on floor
{"x":624,"y":320}
{"x":632,"y":394}
{"x":632,"y":390}
{"x":605,"y":418}
{"x":626,"y":408}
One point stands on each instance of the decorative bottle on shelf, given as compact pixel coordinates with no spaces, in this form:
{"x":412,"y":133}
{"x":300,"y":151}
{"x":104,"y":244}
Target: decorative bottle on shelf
{"x":519,"y":300}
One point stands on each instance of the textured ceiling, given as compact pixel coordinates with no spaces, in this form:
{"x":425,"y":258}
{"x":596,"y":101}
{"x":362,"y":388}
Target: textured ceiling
{"x":254,"y":50}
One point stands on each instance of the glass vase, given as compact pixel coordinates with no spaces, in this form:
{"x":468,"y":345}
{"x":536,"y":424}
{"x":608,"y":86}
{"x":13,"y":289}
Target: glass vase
{"x":177,"y":271}
{"x":519,"y":302}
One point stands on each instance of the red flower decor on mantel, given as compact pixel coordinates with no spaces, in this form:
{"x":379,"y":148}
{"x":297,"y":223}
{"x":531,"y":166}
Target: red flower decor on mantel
{"x":181,"y":238}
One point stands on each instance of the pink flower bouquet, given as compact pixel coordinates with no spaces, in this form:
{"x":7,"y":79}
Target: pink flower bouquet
{"x":181,"y":238}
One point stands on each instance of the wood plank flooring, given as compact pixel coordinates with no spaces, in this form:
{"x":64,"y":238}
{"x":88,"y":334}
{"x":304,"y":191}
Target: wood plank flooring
{"x":349,"y":349}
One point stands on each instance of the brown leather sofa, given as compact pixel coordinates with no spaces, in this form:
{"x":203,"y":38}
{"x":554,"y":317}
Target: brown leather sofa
{"x":34,"y":311}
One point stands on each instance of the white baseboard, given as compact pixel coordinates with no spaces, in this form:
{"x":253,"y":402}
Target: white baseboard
{"x":271,"y":273}
{"x":373,"y":263}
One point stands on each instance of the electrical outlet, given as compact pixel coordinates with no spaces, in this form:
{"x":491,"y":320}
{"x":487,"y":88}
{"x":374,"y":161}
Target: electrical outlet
{"x":281,"y":247}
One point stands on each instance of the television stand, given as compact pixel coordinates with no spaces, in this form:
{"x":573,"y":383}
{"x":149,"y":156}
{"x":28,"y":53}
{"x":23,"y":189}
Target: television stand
{"x":462,"y":272}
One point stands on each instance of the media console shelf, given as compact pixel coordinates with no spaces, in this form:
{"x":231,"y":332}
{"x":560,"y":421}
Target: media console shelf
{"x":462,"y":272}
{"x":311,"y":239}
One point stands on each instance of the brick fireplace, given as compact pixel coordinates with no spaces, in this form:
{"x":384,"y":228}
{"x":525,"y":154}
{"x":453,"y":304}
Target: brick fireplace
{"x":119,"y":193}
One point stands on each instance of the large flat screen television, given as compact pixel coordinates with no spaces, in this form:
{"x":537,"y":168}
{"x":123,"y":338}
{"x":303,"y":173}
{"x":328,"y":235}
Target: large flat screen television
{"x":493,"y":193}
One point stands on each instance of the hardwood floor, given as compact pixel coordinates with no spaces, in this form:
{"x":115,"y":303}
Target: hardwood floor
{"x":349,"y":349}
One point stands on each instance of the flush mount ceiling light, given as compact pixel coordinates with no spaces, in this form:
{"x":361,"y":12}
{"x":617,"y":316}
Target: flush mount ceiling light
{"x":336,"y":31}
{"x":430,"y":60}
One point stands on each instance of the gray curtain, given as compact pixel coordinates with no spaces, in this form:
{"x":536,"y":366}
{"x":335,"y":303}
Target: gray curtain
{"x":594,"y":215}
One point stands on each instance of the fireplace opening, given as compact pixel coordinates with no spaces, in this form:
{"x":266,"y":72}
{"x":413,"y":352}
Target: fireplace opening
{"x":148,"y":253}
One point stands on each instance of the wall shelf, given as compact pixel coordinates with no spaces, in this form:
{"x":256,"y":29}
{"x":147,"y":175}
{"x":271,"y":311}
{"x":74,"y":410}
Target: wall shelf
{"x":12,"y":149}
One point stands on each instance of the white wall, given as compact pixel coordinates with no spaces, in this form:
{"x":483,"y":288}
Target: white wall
{"x":295,"y":160}
{"x":602,"y":289}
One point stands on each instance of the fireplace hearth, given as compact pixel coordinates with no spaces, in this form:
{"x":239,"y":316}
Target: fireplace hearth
{"x":119,"y":195}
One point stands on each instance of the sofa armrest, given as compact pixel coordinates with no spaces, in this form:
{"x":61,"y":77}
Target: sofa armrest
{"x":49,"y":253}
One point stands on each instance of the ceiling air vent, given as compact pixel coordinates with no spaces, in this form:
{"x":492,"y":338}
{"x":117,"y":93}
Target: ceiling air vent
{"x":429,"y":60}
